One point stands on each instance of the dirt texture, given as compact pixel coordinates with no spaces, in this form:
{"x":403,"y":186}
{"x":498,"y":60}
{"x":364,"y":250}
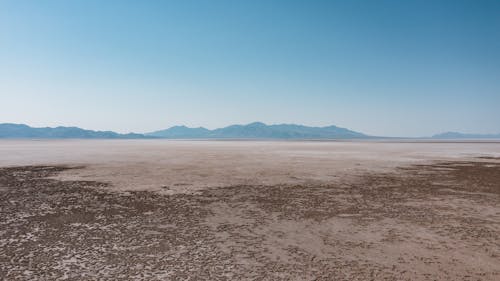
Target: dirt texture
{"x":437,"y":221}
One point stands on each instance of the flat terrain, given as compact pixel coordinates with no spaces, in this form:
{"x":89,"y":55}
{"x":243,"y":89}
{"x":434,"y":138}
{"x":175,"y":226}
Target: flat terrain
{"x":226,"y":210}
{"x":188,"y":166}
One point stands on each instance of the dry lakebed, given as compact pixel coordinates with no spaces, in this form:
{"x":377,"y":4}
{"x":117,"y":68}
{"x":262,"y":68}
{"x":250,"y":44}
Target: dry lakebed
{"x":249,"y":210}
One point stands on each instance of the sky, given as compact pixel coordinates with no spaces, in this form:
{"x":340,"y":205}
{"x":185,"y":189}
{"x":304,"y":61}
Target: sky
{"x":387,"y":68}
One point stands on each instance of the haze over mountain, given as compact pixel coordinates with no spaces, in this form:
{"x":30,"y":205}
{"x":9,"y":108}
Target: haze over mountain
{"x":457,"y":135}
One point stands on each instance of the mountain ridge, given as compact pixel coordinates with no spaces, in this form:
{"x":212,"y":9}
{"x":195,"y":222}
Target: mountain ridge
{"x":259,"y":130}
{"x":255,"y":130}
{"x":11,"y":130}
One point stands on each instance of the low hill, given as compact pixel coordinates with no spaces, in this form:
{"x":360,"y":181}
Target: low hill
{"x":456,"y":135}
{"x":8,"y":130}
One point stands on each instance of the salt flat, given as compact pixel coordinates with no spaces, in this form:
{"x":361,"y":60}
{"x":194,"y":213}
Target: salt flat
{"x":249,"y":210}
{"x":185,"y":166}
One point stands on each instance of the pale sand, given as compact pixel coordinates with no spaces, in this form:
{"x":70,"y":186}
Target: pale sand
{"x":184,"y":166}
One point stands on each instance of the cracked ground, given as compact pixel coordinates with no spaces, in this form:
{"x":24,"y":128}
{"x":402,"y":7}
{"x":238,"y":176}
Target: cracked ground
{"x":437,"y":221}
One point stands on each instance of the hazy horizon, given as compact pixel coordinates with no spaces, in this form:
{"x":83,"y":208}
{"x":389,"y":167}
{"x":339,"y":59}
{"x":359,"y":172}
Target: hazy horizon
{"x":272,"y":124}
{"x":387,"y":68}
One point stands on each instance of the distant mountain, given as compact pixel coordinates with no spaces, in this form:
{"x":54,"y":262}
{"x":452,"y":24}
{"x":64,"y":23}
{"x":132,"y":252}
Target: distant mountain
{"x":456,"y":135}
{"x":254,"y":130}
{"x":181,"y":132}
{"x":258,"y":130}
{"x":8,"y":130}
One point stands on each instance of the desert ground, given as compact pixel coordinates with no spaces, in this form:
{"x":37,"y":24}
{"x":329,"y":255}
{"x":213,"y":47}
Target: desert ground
{"x":249,"y":210}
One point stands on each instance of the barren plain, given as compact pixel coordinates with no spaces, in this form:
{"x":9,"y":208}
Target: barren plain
{"x":249,"y":210}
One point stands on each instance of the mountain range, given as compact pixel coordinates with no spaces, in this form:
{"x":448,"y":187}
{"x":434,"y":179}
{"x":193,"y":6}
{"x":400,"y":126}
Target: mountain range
{"x":256,"y":130}
{"x":8,"y":130}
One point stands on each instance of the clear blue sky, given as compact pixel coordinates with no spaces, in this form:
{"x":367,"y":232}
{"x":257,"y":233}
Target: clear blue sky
{"x":396,"y":68}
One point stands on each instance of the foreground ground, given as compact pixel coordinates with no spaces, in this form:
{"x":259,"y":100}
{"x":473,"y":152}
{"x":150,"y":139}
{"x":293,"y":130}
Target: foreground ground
{"x":419,"y":222}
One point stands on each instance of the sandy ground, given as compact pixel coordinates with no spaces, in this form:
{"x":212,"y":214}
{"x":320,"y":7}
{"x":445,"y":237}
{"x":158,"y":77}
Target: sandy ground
{"x":186,"y":166}
{"x":161,"y":210}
